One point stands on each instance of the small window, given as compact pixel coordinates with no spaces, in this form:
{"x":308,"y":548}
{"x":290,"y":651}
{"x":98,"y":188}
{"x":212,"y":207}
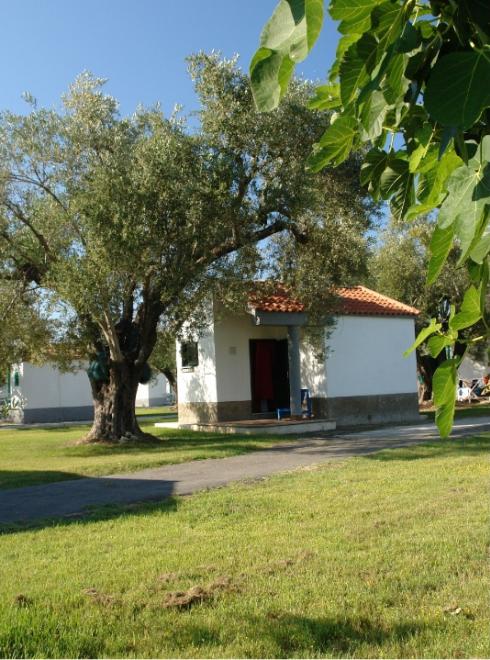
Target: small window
{"x":189,"y":354}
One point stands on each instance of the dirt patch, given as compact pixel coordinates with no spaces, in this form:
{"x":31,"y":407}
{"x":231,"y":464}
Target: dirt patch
{"x":279,"y":565}
{"x":199,"y":594}
{"x":165,"y":578}
{"x":284,"y":564}
{"x":21,"y":600}
{"x":100,"y":598}
{"x":210,"y":568}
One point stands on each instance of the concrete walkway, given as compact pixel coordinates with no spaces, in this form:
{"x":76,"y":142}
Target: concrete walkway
{"x":71,"y":498}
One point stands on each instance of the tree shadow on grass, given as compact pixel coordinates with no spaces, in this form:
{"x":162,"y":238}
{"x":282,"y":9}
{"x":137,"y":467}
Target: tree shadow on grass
{"x":178,"y":440}
{"x":288,"y":635}
{"x":467,"y":446}
{"x":83,"y":500}
{"x":24,"y":478}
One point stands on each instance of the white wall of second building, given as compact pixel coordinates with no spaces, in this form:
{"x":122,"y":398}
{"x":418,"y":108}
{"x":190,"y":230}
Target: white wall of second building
{"x":365,"y":356}
{"x":47,"y":387}
{"x":155,"y":393}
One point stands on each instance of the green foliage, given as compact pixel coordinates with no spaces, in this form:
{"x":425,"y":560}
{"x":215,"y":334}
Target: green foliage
{"x":285,"y":41}
{"x":433,"y":326}
{"x":419,"y":71}
{"x":444,"y":388}
{"x":127,"y":226}
{"x":26,"y":331}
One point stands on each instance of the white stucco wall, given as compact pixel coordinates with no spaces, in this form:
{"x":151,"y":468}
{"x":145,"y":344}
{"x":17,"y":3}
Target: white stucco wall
{"x":366,"y":356}
{"x":313,"y":371}
{"x":197,"y":384}
{"x":156,"y":392}
{"x":232,"y":336}
{"x":47,"y":387}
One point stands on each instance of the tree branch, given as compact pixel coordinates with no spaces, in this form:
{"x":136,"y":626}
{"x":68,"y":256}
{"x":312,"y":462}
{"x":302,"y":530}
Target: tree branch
{"x":20,"y":215}
{"x":232,"y":244}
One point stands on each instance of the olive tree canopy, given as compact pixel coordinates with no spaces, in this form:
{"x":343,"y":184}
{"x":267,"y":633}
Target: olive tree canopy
{"x":125,"y":225}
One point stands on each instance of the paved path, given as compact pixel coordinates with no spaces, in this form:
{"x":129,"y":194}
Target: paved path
{"x":71,"y":498}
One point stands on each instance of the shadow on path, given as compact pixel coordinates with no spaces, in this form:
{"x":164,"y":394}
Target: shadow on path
{"x":69,"y":501}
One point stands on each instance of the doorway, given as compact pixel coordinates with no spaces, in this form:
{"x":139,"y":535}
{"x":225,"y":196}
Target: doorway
{"x":269,"y":371}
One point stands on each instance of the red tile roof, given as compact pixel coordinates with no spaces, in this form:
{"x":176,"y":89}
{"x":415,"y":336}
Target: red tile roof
{"x":354,"y":301}
{"x":361,"y":300}
{"x":279,"y":301}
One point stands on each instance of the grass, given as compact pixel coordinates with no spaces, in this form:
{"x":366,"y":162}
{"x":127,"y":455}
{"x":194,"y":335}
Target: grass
{"x":463,"y":410}
{"x":36,"y":456}
{"x":378,"y":556}
{"x":169,"y":413}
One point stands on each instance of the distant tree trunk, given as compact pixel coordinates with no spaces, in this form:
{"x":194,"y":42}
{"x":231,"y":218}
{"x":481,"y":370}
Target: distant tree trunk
{"x":172,"y":379}
{"x":426,"y":367}
{"x":115,"y":418}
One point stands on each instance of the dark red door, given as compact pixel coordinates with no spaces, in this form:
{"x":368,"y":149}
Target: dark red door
{"x":269,"y":374}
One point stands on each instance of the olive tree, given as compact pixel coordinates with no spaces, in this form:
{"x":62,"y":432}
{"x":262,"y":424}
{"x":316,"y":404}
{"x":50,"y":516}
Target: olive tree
{"x":126,"y":225}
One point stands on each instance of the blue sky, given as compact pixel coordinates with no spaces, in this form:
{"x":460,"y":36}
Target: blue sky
{"x":139,"y":45}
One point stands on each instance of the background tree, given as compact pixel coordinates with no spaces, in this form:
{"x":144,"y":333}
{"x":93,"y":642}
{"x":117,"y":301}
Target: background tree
{"x":398,"y":268}
{"x":414,"y":73}
{"x":25,"y":332}
{"x":129,"y":224}
{"x":399,"y":263}
{"x":163,"y":359}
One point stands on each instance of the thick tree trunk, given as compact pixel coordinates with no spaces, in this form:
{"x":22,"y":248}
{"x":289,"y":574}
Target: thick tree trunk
{"x":114,"y":407}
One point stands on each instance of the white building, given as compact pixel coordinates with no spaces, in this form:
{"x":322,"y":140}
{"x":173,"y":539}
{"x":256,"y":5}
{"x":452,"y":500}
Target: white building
{"x":46,"y":394}
{"x":250,"y":365}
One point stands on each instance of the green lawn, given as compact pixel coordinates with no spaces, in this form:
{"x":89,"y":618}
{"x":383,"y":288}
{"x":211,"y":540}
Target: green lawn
{"x":34,"y":456}
{"x":464,"y":410}
{"x":380,"y":556}
{"x":169,"y":413}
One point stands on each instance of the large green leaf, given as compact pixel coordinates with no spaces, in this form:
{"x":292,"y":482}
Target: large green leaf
{"x":434,"y":174}
{"x":353,"y":75}
{"x":437,"y":343}
{"x":355,"y":15}
{"x":437,"y":171}
{"x":372,"y":116}
{"x":477,"y":11}
{"x":458,"y":89}
{"x":468,"y":193}
{"x":445,"y":417}
{"x":440,"y":245}
{"x":479,"y":251}
{"x":395,"y":84}
{"x":444,"y":388}
{"x":327,"y":97}
{"x":396,"y":184}
{"x":344,"y":44}
{"x":409,"y":39}
{"x":375,"y":163}
{"x":286,"y":40}
{"x":424,"y":137}
{"x":429,"y":330}
{"x":387,"y":21}
{"x":469,"y":313}
{"x":335,"y":144}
